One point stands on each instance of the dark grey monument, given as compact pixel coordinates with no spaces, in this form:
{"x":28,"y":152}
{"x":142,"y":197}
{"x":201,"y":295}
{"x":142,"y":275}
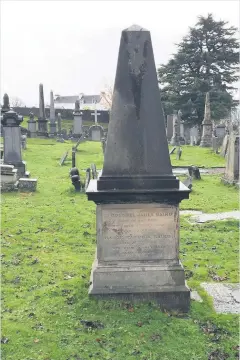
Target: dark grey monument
{"x":6,"y":105}
{"x":32,"y":125}
{"x":42,"y":121}
{"x":52,"y":122}
{"x":77,"y":123}
{"x":137,"y":195}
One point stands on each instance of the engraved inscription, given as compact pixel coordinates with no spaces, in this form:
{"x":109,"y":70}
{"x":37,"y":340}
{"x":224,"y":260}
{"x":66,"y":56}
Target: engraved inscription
{"x":144,"y":233}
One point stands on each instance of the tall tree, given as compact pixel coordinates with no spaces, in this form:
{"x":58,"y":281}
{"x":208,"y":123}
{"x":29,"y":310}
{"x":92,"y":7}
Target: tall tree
{"x":206,"y":60}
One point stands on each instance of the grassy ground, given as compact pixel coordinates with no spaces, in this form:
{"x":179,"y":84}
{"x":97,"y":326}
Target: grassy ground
{"x":48,"y":246}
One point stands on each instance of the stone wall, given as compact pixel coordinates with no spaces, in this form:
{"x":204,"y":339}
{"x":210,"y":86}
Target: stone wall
{"x":65,"y":113}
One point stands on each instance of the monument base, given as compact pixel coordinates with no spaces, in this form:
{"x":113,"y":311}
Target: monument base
{"x":164,"y":284}
{"x":206,"y":142}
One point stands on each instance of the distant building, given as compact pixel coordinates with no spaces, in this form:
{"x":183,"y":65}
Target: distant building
{"x":86,"y":102}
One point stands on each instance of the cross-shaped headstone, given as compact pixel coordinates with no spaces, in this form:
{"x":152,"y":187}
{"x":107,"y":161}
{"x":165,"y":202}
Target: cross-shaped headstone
{"x":95,"y":114}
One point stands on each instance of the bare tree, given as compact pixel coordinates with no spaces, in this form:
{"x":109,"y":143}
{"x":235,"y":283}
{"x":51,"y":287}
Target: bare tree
{"x":106,"y":96}
{"x":16,"y":102}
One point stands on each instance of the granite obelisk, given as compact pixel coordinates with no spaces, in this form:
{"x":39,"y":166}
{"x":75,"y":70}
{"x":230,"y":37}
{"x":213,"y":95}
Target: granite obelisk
{"x":42,"y":121}
{"x":137,"y":195}
{"x":52,"y":123}
{"x":206,"y":140}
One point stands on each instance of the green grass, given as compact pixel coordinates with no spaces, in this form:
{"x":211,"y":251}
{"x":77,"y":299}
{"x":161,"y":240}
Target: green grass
{"x":202,"y":157}
{"x":48,"y":246}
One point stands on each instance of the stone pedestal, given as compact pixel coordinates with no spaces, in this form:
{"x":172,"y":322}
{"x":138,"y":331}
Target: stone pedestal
{"x":8,"y":177}
{"x":42,"y":128}
{"x":77,"y":124}
{"x":206,"y":140}
{"x":32,"y":128}
{"x":53,"y":129}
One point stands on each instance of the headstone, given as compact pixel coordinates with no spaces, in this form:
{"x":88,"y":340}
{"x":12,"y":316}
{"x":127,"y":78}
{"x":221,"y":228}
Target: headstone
{"x":42,"y":121}
{"x":95,"y":133}
{"x":193,"y":136}
{"x":103,"y":141}
{"x":215,"y":144}
{"x":32,"y":126}
{"x":73,"y":157}
{"x":63,"y":158}
{"x":8,"y":177}
{"x":220,"y":131}
{"x":169,"y":127}
{"x":88,"y":178}
{"x":64,"y":134}
{"x":75,"y":178}
{"x":176,"y":129}
{"x":94,"y":171}
{"x":24,"y":142}
{"x":52,"y":124}
{"x":188,"y":182}
{"x":224,"y":148}
{"x":137,"y":195}
{"x":59,"y":123}
{"x":194,"y":172}
{"x":231,"y":175}
{"x":77,"y":124}
{"x":25,"y":184}
{"x":187,"y":134}
{"x":12,"y":141}
{"x":179,"y":153}
{"x":85,"y":130}
{"x":172,"y":151}
{"x":206,"y":140}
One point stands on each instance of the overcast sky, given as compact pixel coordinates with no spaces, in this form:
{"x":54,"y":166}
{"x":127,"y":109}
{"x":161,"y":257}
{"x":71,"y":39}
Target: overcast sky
{"x":72,"y":46}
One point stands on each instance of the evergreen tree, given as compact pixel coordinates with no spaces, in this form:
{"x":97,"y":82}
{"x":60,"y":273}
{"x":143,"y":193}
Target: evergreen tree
{"x":206,"y":60}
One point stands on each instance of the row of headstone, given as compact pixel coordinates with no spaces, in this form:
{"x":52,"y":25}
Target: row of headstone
{"x":14,"y":142}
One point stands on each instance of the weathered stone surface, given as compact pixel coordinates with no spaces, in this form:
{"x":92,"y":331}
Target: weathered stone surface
{"x":206,"y":140}
{"x":195,"y":296}
{"x":42,"y":121}
{"x":136,"y":131}
{"x":176,"y":129}
{"x":96,"y":132}
{"x":231,"y":175}
{"x":225,"y":297}
{"x":77,"y":123}
{"x":224,"y":148}
{"x":137,"y":195}
{"x":27,"y":184}
{"x":169,"y":127}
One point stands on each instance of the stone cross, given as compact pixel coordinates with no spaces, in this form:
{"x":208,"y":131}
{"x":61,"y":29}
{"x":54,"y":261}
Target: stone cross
{"x":95,"y":114}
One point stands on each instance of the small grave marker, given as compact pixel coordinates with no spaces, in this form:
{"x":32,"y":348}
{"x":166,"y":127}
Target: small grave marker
{"x":63,"y":158}
{"x":172,"y":151}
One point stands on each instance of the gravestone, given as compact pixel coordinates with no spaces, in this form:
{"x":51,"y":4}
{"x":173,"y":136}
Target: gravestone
{"x":137,"y":195}
{"x":206,"y":140}
{"x":215,"y":144}
{"x":73,"y":157}
{"x":194,"y":172}
{"x":176,"y":129}
{"x":224,"y":148}
{"x":85,"y":130}
{"x":231,"y":175}
{"x":6,"y":104}
{"x":220,"y":131}
{"x":94,"y":171}
{"x":88,"y":178}
{"x":77,"y":122}
{"x":12,"y":141}
{"x":8,"y":177}
{"x":52,"y":123}
{"x":59,"y":123}
{"x":32,"y":128}
{"x":95,"y":132}
{"x":25,"y":184}
{"x":169,"y":127}
{"x":194,"y":136}
{"x":187,"y":134}
{"x":42,"y":121}
{"x":24,"y":142}
{"x":75,"y":178}
{"x":172,"y":151}
{"x":179,"y":153}
{"x":103,"y":141}
{"x":63,"y":158}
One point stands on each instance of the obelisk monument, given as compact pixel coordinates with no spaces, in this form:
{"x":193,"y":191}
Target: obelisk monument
{"x":206,"y":140}
{"x":137,"y":195}
{"x":42,"y":121}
